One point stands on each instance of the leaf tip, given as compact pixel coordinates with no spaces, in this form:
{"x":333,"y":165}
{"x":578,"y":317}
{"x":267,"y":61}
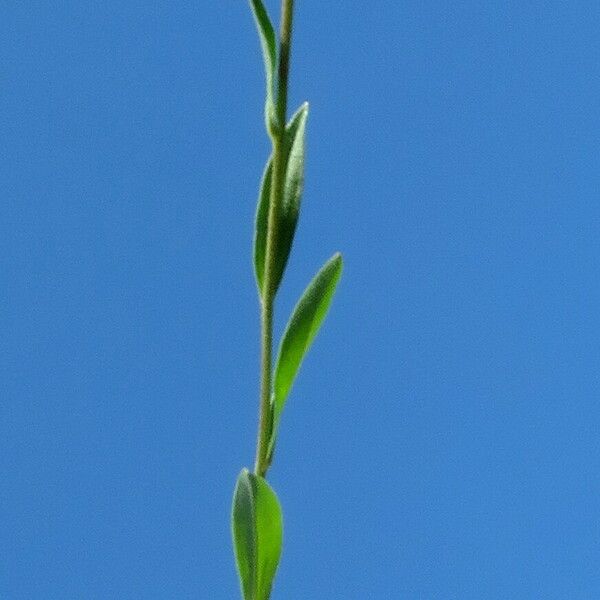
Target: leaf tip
{"x":338,"y":260}
{"x":303,"y":111}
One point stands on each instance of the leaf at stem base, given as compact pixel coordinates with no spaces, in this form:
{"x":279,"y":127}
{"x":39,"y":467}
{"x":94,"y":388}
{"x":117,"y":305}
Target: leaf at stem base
{"x":257,"y":530}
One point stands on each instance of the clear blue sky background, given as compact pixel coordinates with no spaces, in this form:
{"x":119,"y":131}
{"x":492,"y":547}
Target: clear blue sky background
{"x":442,"y":441}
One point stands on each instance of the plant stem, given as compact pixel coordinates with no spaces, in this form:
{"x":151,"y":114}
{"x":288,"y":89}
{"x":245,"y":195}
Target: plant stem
{"x":268,"y":293}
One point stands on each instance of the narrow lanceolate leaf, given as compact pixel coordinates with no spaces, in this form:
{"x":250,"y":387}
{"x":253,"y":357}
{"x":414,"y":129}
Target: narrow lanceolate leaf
{"x":262,"y":225}
{"x":257,"y":528}
{"x":289,"y":203}
{"x":268,"y":41}
{"x":294,"y":171}
{"x":301,"y":331}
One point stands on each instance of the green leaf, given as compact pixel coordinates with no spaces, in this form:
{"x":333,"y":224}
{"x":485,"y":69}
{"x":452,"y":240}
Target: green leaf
{"x":257,"y":528}
{"x":294,"y":171}
{"x":268,"y":42}
{"x":293,"y":152}
{"x":301,"y":330}
{"x":262,"y":224}
{"x":244,"y":534}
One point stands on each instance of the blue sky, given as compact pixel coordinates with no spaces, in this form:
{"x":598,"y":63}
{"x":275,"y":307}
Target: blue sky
{"x":442,"y":439}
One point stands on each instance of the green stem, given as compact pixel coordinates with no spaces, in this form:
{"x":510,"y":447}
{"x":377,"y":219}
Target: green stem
{"x":268,"y":294}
